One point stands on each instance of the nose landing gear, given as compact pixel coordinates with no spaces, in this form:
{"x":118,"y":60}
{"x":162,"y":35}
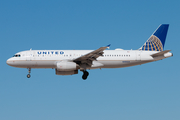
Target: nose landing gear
{"x":29,"y":71}
{"x":85,"y":75}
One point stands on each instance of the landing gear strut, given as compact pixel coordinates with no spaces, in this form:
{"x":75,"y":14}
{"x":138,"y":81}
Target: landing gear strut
{"x":29,"y":71}
{"x":85,"y":75}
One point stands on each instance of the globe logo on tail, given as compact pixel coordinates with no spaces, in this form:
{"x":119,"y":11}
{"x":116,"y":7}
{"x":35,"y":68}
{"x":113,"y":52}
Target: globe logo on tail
{"x":152,"y":44}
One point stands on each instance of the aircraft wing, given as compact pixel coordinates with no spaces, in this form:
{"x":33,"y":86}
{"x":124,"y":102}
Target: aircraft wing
{"x":89,"y":57}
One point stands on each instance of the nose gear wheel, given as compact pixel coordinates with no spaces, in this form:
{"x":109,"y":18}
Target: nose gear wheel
{"x":29,"y":71}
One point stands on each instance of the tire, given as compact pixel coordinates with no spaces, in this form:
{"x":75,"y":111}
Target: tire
{"x":84,"y":77}
{"x":86,"y":73}
{"x":28,"y":75}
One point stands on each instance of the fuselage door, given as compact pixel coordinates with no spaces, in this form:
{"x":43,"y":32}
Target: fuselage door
{"x":29,"y":56}
{"x":138,"y":55}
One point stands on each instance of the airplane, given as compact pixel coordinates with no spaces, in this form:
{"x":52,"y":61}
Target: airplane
{"x":69,"y":62}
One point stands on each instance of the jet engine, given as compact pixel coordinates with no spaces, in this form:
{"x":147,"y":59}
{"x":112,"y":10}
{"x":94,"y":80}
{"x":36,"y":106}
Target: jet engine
{"x":66,"y":66}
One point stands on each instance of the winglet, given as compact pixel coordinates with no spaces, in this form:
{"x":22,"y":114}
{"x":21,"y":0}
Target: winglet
{"x":108,"y":46}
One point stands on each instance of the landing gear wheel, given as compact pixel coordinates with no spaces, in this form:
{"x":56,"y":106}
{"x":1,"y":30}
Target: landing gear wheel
{"x":85,"y":75}
{"x":28,"y":75}
{"x":29,"y":71}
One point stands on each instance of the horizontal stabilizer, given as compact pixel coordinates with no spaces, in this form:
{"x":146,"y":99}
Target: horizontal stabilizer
{"x":160,"y":53}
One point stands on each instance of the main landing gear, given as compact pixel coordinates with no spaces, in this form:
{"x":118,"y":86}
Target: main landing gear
{"x":29,"y":71}
{"x":85,"y":75}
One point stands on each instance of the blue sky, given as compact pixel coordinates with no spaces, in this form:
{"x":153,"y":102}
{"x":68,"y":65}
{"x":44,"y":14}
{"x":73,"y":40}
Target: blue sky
{"x":150,"y":91}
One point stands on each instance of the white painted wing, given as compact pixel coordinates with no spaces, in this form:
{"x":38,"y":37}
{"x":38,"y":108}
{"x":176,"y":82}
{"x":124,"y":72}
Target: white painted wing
{"x":91,"y":56}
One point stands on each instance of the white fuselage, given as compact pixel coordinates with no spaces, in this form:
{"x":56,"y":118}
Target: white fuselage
{"x":110,"y":58}
{"x":68,"y":62}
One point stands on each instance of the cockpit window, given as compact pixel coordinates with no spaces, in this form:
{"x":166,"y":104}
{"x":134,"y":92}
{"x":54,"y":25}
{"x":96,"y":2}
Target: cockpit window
{"x":17,"y":55}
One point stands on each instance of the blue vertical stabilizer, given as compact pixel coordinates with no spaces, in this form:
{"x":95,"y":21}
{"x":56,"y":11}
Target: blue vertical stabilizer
{"x":157,"y":40}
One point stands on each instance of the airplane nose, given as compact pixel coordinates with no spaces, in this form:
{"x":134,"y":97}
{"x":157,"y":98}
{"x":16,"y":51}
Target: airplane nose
{"x":9,"y":62}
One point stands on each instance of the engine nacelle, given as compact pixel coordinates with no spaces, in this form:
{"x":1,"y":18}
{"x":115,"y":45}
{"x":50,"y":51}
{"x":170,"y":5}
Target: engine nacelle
{"x":66,"y":66}
{"x":66,"y":72}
